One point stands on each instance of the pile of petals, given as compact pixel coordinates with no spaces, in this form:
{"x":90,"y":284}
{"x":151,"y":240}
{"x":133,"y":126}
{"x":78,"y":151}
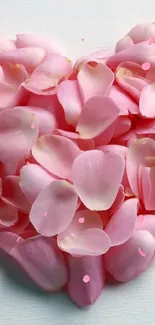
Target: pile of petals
{"x":77,"y":161}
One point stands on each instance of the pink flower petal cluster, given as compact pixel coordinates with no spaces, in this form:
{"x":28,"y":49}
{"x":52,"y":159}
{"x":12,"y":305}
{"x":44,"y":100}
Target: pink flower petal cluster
{"x":77,"y":161}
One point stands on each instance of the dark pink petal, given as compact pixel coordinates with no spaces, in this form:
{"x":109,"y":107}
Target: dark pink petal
{"x":131,"y":77}
{"x":138,"y":153}
{"x":118,"y":201}
{"x":16,"y":133}
{"x":84,"y":144}
{"x":97,"y":115}
{"x":66,"y":134}
{"x":49,"y":72}
{"x":8,"y":215}
{"x":39,"y":257}
{"x":94,"y":81}
{"x":69,"y":96}
{"x":123,"y":101}
{"x":123,"y":125}
{"x":97,"y":177}
{"x":122,"y":223}
{"x":30,"y":57}
{"x":56,"y":154}
{"x":13,"y":195}
{"x":123,"y":43}
{"x":33,"y":179}
{"x":125,"y":262}
{"x":105,"y":137}
{"x":147,"y":101}
{"x":34,"y":40}
{"x":146,"y":222}
{"x":54,"y":208}
{"x":82,"y":293}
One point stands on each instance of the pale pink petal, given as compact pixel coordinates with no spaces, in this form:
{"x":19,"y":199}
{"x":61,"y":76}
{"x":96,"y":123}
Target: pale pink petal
{"x":34,"y":40}
{"x":46,"y":120}
{"x":142,"y":32}
{"x":6,"y":44}
{"x":125,"y":262}
{"x":33,"y":179}
{"x":97,"y":177}
{"x":13,"y":195}
{"x":123,"y":101}
{"x":69,"y":96}
{"x":147,"y":101}
{"x":48,"y":73}
{"x":6,"y":97}
{"x":8,"y":215}
{"x":131,"y":54}
{"x":83,"y":219}
{"x":131,"y":77}
{"x":40,"y":258}
{"x":95,"y":57}
{"x":82,"y":293}
{"x":147,"y":186}
{"x":97,"y":115}
{"x":90,"y":242}
{"x":137,"y":154}
{"x":11,"y":97}
{"x":16,"y":134}
{"x":115,"y":148}
{"x":30,"y":57}
{"x":56,"y":154}
{"x":146,"y":222}
{"x":54,"y":208}
{"x":122,"y":223}
{"x":14,"y":75}
{"x":123,"y":43}
{"x":95,"y":80}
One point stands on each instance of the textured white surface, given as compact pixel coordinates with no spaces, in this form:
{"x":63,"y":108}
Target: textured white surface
{"x":100,"y":23}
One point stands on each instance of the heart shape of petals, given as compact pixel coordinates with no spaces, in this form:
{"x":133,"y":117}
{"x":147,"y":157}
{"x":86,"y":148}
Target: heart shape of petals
{"x":97,"y":177}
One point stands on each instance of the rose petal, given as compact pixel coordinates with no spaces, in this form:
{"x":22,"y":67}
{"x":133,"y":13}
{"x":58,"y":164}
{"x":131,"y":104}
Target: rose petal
{"x":56,"y":154}
{"x":122,"y":223}
{"x":97,"y":177}
{"x":34,"y":40}
{"x":54,"y":208}
{"x":124,"y":262}
{"x":33,"y":179}
{"x":97,"y":115}
{"x":146,"y":222}
{"x":81,"y":293}
{"x":8,"y":215}
{"x":48,"y":73}
{"x":70,"y":98}
{"x":16,"y":134}
{"x":147,"y":101}
{"x":94,"y":81}
{"x":13,"y":195}
{"x":123,"y":101}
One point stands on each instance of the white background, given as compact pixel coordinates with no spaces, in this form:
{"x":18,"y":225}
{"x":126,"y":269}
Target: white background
{"x":100,"y":23}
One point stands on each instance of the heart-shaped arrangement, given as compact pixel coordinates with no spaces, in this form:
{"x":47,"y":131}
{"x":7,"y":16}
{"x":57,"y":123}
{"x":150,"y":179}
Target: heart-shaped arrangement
{"x":77,"y":161}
